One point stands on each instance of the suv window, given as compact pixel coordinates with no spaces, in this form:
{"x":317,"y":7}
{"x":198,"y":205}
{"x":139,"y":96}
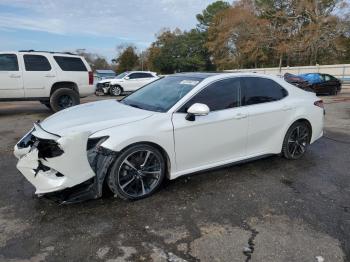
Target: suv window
{"x":36,"y":63}
{"x":140,"y":75}
{"x":223,"y":94}
{"x":8,"y":62}
{"x":256,"y":90}
{"x":67,"y":63}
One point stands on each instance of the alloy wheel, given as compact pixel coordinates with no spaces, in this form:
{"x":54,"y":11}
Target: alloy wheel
{"x":139,"y":173}
{"x":116,"y":91}
{"x":297,"y":141}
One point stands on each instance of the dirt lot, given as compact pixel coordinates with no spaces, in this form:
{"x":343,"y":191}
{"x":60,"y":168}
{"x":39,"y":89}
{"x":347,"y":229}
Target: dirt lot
{"x":267,"y":210}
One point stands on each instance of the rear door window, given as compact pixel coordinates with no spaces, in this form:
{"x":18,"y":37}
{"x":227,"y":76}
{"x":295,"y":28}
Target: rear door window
{"x":36,"y":63}
{"x":70,"y":63}
{"x":257,"y":90}
{"x":8,"y":62}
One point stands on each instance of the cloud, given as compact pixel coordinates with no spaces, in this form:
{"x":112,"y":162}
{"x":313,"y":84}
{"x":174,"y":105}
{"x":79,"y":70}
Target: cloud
{"x":133,"y":20}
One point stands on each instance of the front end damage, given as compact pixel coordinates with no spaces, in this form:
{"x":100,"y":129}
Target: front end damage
{"x":69,"y":169}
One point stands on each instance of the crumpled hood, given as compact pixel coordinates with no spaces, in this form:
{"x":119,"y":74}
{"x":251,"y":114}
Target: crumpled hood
{"x":93,"y":117}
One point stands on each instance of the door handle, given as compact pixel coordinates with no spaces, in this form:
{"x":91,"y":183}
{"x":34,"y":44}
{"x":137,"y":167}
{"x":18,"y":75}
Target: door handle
{"x":240,"y":116}
{"x":15,"y":76}
{"x":48,"y":75}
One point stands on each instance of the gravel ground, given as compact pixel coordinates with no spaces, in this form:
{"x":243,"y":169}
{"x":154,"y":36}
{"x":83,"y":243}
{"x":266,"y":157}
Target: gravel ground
{"x":268,"y":210}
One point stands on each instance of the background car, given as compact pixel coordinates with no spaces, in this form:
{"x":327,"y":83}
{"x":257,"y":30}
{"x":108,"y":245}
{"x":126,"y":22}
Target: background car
{"x":57,"y":80}
{"x":298,"y":81}
{"x":126,"y":82}
{"x":323,"y":83}
{"x":177,"y":125}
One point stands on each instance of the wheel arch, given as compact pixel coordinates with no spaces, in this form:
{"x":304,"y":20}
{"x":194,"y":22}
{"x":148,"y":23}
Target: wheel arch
{"x":64,"y":84}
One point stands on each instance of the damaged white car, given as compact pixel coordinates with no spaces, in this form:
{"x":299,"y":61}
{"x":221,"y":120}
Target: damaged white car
{"x":174,"y":126}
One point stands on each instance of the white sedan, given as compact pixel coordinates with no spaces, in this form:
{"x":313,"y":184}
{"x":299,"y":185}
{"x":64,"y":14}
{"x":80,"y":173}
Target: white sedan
{"x":126,"y":82}
{"x":174,"y":126}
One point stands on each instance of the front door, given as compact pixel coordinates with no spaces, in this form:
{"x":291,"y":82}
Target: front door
{"x":215,"y":138}
{"x":11,"y":82}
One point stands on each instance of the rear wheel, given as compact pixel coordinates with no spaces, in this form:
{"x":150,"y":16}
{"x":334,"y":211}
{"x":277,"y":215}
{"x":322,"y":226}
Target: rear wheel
{"x":115,"y":90}
{"x":63,"y":98}
{"x":296,"y":141}
{"x":137,"y":173}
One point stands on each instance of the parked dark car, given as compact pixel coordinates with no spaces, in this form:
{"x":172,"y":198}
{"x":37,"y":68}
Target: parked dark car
{"x":318,"y":83}
{"x":298,"y":81}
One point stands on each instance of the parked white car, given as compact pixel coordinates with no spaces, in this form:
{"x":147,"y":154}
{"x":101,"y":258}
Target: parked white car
{"x":126,"y":82}
{"x":57,"y":80}
{"x":177,"y":125}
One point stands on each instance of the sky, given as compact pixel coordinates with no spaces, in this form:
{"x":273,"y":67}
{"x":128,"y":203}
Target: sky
{"x":95,"y":25}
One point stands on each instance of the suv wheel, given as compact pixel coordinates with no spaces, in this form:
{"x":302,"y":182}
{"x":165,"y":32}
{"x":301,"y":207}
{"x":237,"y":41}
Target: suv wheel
{"x":63,"y":98}
{"x":115,"y":90}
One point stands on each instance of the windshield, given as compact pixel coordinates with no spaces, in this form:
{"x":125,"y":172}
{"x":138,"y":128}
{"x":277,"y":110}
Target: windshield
{"x":162,"y":94}
{"x":120,"y":76}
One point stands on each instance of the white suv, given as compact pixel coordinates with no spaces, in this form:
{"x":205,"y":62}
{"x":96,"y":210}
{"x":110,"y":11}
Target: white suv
{"x":126,"y":82}
{"x":57,"y":80}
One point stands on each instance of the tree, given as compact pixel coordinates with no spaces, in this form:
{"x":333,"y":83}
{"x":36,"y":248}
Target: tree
{"x":277,"y":32}
{"x":206,"y":17}
{"x":95,"y":61}
{"x":127,"y":58}
{"x":176,"y":51}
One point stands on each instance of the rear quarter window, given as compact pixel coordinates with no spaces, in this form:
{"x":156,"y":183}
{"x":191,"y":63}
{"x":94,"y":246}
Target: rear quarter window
{"x":70,"y":63}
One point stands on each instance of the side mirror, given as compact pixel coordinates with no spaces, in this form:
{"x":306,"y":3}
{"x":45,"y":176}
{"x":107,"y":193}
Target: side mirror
{"x":127,"y":78}
{"x":197,"y":109}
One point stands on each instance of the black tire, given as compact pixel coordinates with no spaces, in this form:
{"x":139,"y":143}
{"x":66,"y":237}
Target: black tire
{"x":136,"y":180}
{"x":115,"y":90}
{"x":296,"y":142}
{"x":63,"y":98}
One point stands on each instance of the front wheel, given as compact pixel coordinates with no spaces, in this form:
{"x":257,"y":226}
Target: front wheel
{"x":115,"y":90}
{"x":137,"y":173}
{"x":296,"y":141}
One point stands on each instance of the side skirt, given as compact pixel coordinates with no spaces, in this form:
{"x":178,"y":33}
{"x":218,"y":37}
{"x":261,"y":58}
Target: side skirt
{"x":226,"y":165}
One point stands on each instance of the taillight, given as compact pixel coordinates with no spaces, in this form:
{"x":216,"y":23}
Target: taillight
{"x":91,"y":78}
{"x":319,"y":103}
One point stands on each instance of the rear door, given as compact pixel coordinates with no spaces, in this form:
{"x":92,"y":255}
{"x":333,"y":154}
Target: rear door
{"x":217,"y":137}
{"x":11,"y":82}
{"x":38,"y":75}
{"x":268,"y":113}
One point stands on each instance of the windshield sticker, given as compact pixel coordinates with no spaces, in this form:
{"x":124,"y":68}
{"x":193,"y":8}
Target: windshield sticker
{"x":189,"y":82}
